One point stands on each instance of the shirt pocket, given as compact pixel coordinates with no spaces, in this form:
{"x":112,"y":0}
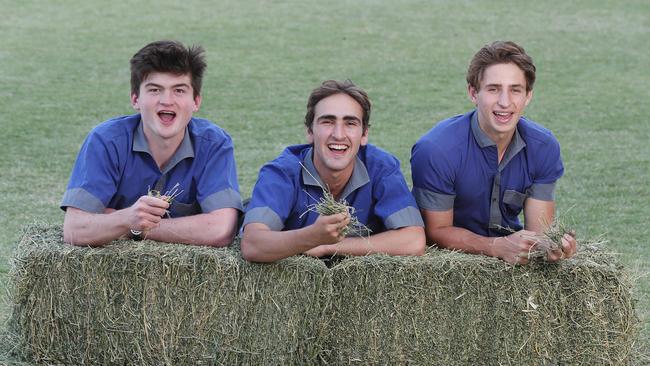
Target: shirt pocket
{"x":513,"y":201}
{"x":180,"y":209}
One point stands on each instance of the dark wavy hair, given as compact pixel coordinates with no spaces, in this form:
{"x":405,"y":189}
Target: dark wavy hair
{"x":170,"y":57}
{"x":332,"y":87}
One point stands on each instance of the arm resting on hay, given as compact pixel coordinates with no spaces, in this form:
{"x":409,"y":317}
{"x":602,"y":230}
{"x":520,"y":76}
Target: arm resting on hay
{"x":95,"y":229}
{"x":404,"y":241}
{"x":439,"y":228}
{"x":216,"y":228}
{"x":261,"y":244}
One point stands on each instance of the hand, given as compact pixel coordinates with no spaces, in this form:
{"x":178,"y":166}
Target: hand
{"x":327,"y":229}
{"x":146,"y":213}
{"x":568,"y":250}
{"x":515,"y":247}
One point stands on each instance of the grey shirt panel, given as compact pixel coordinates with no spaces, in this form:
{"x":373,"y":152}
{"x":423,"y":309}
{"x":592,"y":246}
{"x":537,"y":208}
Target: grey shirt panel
{"x":264,"y":215}
{"x":83,"y":200}
{"x":227,"y":198}
{"x":358,"y":178}
{"x":408,"y":216}
{"x":184,"y":150}
{"x":542,"y":191}
{"x":433,"y":201}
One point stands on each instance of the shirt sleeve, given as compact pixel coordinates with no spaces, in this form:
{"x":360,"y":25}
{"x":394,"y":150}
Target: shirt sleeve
{"x":217,"y":186}
{"x":272,"y":199}
{"x":433,"y":177}
{"x":395,"y":205}
{"x":549,"y":169}
{"x":94,"y":177}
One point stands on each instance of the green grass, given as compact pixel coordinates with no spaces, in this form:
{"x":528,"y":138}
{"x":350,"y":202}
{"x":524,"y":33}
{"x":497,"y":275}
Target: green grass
{"x":65,"y":69}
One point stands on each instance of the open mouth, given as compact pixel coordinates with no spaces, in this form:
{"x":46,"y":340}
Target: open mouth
{"x":338,"y":148}
{"x":167,"y":116}
{"x":502,"y":117}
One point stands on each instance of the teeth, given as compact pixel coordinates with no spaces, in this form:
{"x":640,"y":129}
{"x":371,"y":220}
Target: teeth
{"x":337,"y":147}
{"x":501,"y":113}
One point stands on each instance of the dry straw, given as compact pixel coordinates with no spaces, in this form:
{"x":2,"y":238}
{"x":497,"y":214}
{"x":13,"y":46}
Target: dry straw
{"x":147,"y":303}
{"x":144,"y":303}
{"x":328,"y":205}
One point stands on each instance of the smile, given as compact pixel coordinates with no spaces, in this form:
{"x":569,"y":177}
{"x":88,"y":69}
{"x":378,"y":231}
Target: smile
{"x":167,"y":116}
{"x":337,"y":147}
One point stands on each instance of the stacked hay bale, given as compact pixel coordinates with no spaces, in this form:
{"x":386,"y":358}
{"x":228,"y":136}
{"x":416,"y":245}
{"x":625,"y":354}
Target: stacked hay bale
{"x":448,"y":308}
{"x":153,"y":303}
{"x":147,"y":303}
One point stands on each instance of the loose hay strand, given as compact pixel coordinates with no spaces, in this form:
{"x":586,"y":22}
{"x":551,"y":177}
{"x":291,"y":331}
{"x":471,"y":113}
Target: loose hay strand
{"x":328,"y":205}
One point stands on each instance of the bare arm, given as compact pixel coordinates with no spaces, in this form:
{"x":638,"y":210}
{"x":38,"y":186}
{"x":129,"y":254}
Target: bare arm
{"x":261,"y":244}
{"x":439,"y":229}
{"x":95,"y":229}
{"x":404,"y":241}
{"x":538,"y":215}
{"x":216,"y":228}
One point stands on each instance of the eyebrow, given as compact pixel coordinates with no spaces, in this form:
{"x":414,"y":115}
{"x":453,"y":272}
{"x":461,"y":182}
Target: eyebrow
{"x":183,"y":85}
{"x":331,"y":116}
{"x":510,"y":86}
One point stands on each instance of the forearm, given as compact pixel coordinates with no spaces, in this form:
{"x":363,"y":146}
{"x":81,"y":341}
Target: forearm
{"x":452,"y":237}
{"x":404,"y":241}
{"x":91,"y":229}
{"x":209,"y":229}
{"x":269,"y":246}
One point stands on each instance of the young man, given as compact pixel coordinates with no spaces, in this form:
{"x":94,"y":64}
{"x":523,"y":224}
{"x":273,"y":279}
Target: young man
{"x":279,"y":222}
{"x":474,"y":173}
{"x":162,"y":148}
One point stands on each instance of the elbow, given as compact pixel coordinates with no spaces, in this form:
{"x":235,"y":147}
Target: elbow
{"x":248,"y":251}
{"x":222,"y":239}
{"x":418,"y":243}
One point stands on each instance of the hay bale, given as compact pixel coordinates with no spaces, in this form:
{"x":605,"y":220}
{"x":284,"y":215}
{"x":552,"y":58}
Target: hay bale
{"x":147,"y":303}
{"x":449,"y":308}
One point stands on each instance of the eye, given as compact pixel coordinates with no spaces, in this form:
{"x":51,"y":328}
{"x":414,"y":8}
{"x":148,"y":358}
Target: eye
{"x":180,"y":91}
{"x":153,"y":90}
{"x":352,"y":122}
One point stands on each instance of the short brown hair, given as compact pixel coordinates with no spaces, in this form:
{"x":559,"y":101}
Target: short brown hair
{"x":332,"y":87}
{"x":500,"y":52}
{"x":171,"y":57}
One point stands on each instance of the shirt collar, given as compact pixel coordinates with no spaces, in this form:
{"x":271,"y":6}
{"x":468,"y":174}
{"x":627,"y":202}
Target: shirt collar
{"x":516,"y":144}
{"x":184,"y":150}
{"x":358,"y":178}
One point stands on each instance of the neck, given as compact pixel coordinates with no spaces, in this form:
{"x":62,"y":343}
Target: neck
{"x":335,"y":181}
{"x":162,"y":150}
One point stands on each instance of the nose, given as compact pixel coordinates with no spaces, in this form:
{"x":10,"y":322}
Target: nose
{"x":166,"y":97}
{"x":338,"y":131}
{"x":504,"y":98}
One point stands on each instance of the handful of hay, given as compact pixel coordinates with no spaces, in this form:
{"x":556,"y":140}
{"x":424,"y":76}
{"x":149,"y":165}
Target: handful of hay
{"x":328,"y":205}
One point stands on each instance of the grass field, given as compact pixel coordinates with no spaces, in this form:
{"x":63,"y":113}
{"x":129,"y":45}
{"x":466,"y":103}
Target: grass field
{"x":64,"y":69}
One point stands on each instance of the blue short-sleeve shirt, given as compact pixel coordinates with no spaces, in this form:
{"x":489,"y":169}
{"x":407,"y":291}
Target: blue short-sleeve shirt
{"x":115,"y":167}
{"x":455,"y":165}
{"x":377,"y":191}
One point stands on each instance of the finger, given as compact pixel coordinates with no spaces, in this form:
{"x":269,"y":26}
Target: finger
{"x":155,"y":201}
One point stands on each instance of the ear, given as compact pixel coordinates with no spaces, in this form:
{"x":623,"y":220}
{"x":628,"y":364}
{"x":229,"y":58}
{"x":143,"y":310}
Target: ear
{"x":529,"y":97}
{"x":364,"y":137}
{"x":472,"y":93}
{"x":309,"y":135}
{"x":134,"y":102}
{"x":197,"y":103}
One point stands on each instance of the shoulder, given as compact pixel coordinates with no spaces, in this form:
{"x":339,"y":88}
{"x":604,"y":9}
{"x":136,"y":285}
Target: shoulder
{"x":205,"y":131}
{"x":116,"y":130}
{"x":536,"y":136}
{"x":447,"y":140}
{"x":289,"y":162}
{"x":447,"y":134}
{"x":377,"y":159}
